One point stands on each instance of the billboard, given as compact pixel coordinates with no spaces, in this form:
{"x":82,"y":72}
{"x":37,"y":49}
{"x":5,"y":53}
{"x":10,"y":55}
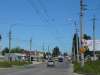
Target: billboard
{"x":89,"y":43}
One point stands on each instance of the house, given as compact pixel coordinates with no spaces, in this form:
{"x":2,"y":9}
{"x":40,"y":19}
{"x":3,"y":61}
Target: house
{"x":1,"y":57}
{"x":15,"y":57}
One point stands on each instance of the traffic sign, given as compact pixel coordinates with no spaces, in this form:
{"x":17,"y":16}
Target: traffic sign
{"x":82,"y":50}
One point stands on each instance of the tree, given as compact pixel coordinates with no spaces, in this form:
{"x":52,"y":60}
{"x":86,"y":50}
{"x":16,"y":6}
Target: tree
{"x":56,"y":52}
{"x":86,"y":37}
{"x":16,"y":50}
{"x":65,"y":54}
{"x":74,"y":45}
{"x":4,"y":51}
{"x":87,"y":52}
{"x":0,"y":37}
{"x":44,"y":55}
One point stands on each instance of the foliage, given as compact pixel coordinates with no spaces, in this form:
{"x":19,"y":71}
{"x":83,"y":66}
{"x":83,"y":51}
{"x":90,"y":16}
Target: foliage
{"x":90,"y":68}
{"x":44,"y":55}
{"x":86,"y":37}
{"x":74,"y":44}
{"x":16,"y":50}
{"x":65,"y":54}
{"x":0,"y":37}
{"x":13,"y":50}
{"x":48,"y":53}
{"x":4,"y":51}
{"x":56,"y":52}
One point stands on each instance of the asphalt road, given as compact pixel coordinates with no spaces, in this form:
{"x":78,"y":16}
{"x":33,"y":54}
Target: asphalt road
{"x":41,"y":69}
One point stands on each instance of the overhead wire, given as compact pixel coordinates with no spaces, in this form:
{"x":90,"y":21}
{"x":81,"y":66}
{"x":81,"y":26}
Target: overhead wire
{"x":45,"y":11}
{"x":33,"y":5}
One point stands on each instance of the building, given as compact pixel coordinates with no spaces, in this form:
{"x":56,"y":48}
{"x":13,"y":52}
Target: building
{"x":15,"y":57}
{"x":25,"y":56}
{"x":1,"y":57}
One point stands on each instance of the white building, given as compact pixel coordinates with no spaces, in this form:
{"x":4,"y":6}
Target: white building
{"x":15,"y":56}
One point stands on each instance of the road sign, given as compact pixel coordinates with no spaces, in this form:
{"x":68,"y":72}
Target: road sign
{"x":82,"y":50}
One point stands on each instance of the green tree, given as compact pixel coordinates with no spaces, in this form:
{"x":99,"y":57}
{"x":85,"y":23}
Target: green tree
{"x":86,"y":37}
{"x":44,"y":55}
{"x":5,"y":50}
{"x":74,"y":45}
{"x":16,"y":50}
{"x":65,"y":54}
{"x":56,"y":52}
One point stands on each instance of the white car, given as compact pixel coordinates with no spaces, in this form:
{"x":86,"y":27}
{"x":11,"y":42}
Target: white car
{"x":50,"y":63}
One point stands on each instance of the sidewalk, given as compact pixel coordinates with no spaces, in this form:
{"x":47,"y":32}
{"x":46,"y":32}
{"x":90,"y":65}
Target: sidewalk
{"x":35,"y":62}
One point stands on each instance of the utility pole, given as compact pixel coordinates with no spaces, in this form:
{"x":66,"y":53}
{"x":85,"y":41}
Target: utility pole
{"x":94,"y":56}
{"x":48,"y":52}
{"x":10,"y":34}
{"x":30,"y":44}
{"x":43,"y":47}
{"x":30,"y":47}
{"x":81,"y":29}
{"x":10,"y":38}
{"x":0,"y":41}
{"x":77,"y":45}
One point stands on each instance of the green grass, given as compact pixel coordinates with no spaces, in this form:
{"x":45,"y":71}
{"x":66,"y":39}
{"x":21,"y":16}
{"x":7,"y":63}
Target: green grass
{"x":90,"y":67}
{"x":6,"y":64}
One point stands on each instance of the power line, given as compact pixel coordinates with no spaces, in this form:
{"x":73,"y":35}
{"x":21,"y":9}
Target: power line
{"x":44,"y":9}
{"x":33,"y":5}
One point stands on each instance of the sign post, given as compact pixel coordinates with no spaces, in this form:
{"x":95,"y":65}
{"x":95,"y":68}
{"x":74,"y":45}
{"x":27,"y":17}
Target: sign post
{"x":82,"y":51}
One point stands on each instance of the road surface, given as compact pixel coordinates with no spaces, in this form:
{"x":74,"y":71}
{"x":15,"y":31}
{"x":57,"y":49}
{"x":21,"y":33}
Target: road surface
{"x":40,"y":69}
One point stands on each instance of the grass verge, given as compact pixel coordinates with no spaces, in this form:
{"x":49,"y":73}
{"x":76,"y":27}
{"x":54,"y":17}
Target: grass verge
{"x":6,"y":64}
{"x":90,"y":68}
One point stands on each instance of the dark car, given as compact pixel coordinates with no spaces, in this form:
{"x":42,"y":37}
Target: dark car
{"x":60,"y":59}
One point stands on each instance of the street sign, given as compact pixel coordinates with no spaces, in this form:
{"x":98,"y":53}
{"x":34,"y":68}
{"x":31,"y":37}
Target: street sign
{"x":82,"y":50}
